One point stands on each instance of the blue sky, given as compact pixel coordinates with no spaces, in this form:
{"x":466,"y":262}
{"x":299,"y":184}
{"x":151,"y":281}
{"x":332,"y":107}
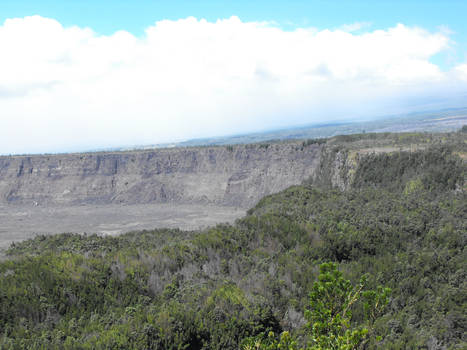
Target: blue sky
{"x":78,"y":75}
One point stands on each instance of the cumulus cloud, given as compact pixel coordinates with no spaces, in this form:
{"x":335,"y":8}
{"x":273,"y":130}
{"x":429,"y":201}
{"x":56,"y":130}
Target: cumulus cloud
{"x":70,"y":88}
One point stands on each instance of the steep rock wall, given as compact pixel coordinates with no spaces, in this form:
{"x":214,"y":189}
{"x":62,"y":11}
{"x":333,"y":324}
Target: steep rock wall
{"x":233,"y":175}
{"x":337,"y":167}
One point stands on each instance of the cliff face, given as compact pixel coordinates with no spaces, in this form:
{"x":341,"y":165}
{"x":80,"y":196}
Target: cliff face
{"x":233,"y":175}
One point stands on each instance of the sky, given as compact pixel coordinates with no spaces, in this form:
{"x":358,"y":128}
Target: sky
{"x":83,"y":75}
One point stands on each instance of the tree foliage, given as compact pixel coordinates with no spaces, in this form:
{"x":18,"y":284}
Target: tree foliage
{"x":329,"y":316}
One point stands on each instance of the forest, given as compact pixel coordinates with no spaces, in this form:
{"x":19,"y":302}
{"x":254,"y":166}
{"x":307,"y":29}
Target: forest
{"x":379,"y":265}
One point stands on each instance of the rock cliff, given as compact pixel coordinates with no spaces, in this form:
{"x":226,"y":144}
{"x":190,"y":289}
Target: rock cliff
{"x":232,"y":175}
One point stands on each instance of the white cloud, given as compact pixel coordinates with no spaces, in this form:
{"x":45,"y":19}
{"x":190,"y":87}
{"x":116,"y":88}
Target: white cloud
{"x":461,"y":70}
{"x":69,"y":88}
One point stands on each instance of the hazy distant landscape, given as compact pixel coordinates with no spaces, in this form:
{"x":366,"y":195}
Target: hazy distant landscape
{"x":431,"y":121}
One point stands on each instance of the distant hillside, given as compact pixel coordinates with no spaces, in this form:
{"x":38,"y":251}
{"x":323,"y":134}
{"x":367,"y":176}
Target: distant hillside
{"x":445,"y":120}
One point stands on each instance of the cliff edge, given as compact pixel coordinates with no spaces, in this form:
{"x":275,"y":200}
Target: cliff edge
{"x":223,"y":175}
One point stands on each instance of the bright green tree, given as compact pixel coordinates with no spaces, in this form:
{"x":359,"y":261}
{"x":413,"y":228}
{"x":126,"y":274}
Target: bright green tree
{"x":330,"y":313}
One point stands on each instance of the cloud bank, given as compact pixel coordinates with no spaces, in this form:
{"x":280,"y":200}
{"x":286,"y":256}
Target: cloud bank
{"x":71,"y":89}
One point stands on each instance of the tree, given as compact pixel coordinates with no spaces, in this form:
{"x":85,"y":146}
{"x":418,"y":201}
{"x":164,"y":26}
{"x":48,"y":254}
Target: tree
{"x":330,"y":314}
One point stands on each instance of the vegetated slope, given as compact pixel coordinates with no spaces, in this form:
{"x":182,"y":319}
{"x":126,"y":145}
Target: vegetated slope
{"x":230,"y":175}
{"x":402,"y":219}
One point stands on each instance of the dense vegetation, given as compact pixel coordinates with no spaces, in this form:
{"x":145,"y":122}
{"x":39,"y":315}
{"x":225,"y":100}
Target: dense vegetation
{"x":401,"y":225}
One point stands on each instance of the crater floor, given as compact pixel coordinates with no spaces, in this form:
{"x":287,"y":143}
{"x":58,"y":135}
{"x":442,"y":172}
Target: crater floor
{"x":23,"y":222}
